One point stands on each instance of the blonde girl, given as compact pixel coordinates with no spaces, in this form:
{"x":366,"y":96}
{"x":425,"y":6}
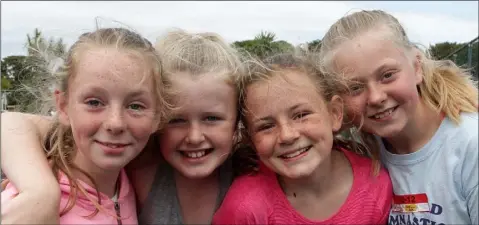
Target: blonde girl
{"x":109,"y":100}
{"x":184,"y":173}
{"x":424,"y":112}
{"x":292,"y":113}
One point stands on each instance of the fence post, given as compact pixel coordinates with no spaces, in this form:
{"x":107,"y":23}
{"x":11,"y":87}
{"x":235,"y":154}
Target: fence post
{"x":469,"y":55}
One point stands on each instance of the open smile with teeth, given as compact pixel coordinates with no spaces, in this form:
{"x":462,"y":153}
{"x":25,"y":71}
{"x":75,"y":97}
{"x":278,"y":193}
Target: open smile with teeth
{"x":111,"y":145}
{"x":295,"y":153}
{"x":196,"y":154}
{"x":383,"y":113}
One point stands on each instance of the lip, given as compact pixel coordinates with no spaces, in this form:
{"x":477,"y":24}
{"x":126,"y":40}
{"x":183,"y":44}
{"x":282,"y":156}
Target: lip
{"x":394,"y":108}
{"x":208,"y":151}
{"x":108,"y":149}
{"x":301,"y":155}
{"x":195,"y":150}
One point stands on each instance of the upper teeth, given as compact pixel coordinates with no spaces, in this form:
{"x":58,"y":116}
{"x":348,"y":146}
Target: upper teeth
{"x":113,"y":145}
{"x":195,"y":154}
{"x":383,"y":114}
{"x":296,"y":153}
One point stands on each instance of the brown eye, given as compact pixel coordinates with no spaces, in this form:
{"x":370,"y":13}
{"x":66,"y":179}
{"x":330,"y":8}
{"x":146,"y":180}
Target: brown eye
{"x":212,"y":118}
{"x":93,"y":103}
{"x":176,"y":120}
{"x":356,"y":88}
{"x":388,"y":75}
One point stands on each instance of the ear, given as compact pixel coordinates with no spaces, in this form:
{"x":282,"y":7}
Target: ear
{"x":417,"y":63}
{"x":336,"y":107}
{"x":61,"y":103}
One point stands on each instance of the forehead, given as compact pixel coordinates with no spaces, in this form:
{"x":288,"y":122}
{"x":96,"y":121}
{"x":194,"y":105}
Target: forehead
{"x":203,"y":92}
{"x":108,"y":66}
{"x":281,"y":91}
{"x":364,"y":54}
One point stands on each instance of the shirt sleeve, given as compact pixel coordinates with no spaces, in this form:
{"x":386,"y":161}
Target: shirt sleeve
{"x":386,"y":201}
{"x":469,"y":179}
{"x":242,"y":205}
{"x":240,"y":212}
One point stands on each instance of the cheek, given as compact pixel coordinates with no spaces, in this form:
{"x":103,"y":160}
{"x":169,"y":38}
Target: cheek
{"x":170,"y":138}
{"x":226,"y":134}
{"x":84,"y":125}
{"x":141,"y":128}
{"x":406,"y":91}
{"x":263,"y":144}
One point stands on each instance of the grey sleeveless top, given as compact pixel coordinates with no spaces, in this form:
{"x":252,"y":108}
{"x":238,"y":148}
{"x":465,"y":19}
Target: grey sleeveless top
{"x":162,"y":205}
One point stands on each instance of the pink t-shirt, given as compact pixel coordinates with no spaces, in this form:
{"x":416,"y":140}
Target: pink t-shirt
{"x":259,"y":199}
{"x":83,"y":207}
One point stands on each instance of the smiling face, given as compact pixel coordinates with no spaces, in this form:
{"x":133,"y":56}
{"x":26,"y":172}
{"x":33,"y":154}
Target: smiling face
{"x":386,"y":78}
{"x":199,"y":137}
{"x":110,"y":108}
{"x":290,"y":124}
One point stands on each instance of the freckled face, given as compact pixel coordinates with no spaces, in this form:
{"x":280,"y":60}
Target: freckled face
{"x":109,"y":107}
{"x":290,"y":124}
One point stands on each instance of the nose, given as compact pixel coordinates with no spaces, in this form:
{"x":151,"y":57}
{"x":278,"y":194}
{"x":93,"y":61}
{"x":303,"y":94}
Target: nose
{"x":376,"y":95}
{"x":288,"y":134}
{"x":195,"y":134}
{"x":115,"y":122}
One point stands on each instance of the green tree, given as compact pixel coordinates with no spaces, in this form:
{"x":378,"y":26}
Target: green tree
{"x":314,"y":45}
{"x":461,"y":57}
{"x":263,"y":44}
{"x":27,"y":74}
{"x":441,"y":50}
{"x":37,"y":45}
{"x":16,"y":73}
{"x":6,"y":84}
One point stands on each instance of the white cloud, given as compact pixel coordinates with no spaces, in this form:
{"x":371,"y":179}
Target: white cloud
{"x":295,"y":22}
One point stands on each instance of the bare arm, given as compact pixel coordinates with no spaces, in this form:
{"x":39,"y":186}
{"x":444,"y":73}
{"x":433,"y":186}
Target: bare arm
{"x":24,"y":163}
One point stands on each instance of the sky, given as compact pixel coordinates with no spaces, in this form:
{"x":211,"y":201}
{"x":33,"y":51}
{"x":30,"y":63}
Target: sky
{"x":426,"y":22}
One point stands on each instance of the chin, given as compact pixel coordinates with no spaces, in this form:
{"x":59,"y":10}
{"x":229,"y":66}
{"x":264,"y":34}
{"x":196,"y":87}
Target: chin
{"x":196,"y":173}
{"x":388,"y":132}
{"x":111,"y":167}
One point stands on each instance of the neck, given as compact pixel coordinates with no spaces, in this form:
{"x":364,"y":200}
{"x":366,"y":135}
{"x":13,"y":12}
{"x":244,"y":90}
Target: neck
{"x":105,"y":180}
{"x":318,"y":183}
{"x":417,"y":132}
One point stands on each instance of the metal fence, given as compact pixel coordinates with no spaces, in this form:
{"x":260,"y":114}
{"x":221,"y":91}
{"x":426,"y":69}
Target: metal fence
{"x":466,"y":56}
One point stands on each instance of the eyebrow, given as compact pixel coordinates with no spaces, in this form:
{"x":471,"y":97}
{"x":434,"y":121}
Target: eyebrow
{"x":266,"y":118}
{"x":376,"y":71}
{"x":385,"y":64}
{"x":135,"y":93}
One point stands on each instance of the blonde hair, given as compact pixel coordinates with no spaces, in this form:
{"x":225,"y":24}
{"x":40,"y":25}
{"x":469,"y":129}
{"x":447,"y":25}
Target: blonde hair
{"x":326,"y":85}
{"x":59,"y":143}
{"x":445,"y":87}
{"x":198,"y":54}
